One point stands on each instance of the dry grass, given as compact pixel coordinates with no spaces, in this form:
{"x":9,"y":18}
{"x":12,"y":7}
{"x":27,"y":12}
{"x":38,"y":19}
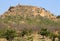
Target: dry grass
{"x":36,"y":37}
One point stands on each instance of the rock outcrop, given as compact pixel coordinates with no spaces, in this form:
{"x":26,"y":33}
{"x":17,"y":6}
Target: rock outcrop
{"x":29,"y":10}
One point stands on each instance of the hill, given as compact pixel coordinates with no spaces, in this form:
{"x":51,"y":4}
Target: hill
{"x":30,"y":17}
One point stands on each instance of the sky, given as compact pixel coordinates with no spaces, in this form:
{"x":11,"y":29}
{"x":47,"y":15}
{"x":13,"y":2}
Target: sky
{"x":51,"y":5}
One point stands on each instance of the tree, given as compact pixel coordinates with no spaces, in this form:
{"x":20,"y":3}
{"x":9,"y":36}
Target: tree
{"x":44,"y":32}
{"x":58,"y":16}
{"x":9,"y":34}
{"x":23,"y":32}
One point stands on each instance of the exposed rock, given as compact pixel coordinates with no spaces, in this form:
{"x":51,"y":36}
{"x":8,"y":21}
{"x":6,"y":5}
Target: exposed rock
{"x":29,"y":10}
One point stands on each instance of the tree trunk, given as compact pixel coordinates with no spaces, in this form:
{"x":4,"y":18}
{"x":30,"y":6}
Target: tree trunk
{"x":53,"y":39}
{"x":43,"y":37}
{"x":10,"y":40}
{"x":58,"y":39}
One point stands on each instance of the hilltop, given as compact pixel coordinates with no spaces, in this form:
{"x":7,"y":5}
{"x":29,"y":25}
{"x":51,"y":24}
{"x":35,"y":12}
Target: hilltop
{"x":30,"y":17}
{"x":29,"y":11}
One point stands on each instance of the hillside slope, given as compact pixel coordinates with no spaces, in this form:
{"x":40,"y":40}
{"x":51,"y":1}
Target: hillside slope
{"x":29,"y":17}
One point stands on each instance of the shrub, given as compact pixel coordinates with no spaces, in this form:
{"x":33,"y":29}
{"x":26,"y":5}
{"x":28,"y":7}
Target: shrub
{"x":9,"y":34}
{"x":23,"y":32}
{"x":26,"y":32}
{"x":44,"y":32}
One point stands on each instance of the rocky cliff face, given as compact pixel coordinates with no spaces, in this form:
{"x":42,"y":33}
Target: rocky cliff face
{"x":29,"y":11}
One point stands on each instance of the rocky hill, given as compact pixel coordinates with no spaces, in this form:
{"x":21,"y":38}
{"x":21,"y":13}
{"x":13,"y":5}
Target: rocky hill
{"x":29,"y":11}
{"x":30,"y":17}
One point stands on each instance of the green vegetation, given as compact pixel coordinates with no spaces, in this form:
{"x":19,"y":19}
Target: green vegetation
{"x":26,"y":32}
{"x":23,"y":32}
{"x":23,"y":22}
{"x":44,"y":32}
{"x":26,"y":26}
{"x":26,"y":35}
{"x":31,"y":20}
{"x":9,"y":34}
{"x":58,"y":16}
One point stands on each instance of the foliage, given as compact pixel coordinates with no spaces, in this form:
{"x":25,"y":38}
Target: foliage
{"x":9,"y":34}
{"x":44,"y":32}
{"x":23,"y":32}
{"x":58,"y":16}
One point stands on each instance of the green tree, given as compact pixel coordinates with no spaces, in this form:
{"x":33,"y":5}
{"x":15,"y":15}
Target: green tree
{"x":44,"y":32}
{"x":58,"y":16}
{"x":23,"y":32}
{"x":9,"y":34}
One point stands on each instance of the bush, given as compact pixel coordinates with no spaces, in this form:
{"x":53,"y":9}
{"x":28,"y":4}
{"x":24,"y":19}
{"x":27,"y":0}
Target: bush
{"x":44,"y":32}
{"x":9,"y":34}
{"x":23,"y":32}
{"x":58,"y":16}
